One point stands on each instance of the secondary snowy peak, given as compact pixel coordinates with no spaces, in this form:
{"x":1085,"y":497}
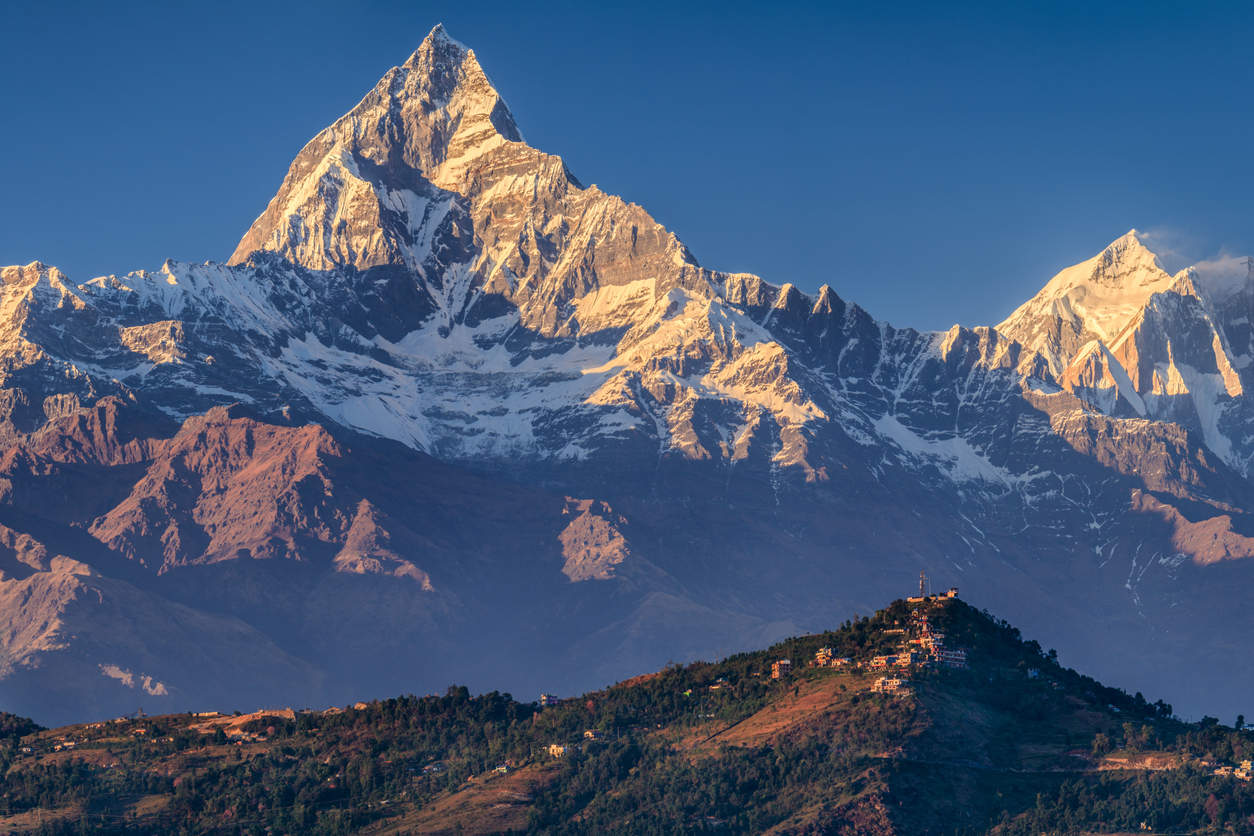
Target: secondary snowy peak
{"x":1224,"y":278}
{"x":1094,"y":300}
{"x":1123,"y":334}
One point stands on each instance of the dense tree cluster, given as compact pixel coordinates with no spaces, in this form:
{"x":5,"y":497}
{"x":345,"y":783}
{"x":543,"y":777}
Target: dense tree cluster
{"x":1184,"y":800}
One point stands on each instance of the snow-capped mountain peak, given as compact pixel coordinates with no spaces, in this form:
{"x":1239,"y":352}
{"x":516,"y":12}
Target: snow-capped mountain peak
{"x":374,"y":188}
{"x":466,"y":116}
{"x":1095,"y":299}
{"x":1224,"y":277}
{"x":439,"y":39}
{"x":1130,"y":338}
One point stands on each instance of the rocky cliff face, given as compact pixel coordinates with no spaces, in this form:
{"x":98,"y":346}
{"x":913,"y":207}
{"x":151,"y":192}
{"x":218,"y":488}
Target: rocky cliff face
{"x":449,"y":414}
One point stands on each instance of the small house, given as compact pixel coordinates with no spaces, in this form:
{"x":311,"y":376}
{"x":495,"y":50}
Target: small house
{"x":781,"y":668}
{"x":956,"y":658}
{"x":896,"y":660}
{"x":891,"y":685}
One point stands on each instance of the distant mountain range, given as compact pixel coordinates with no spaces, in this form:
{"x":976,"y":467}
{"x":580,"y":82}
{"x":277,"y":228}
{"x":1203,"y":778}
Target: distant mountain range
{"x":449,"y":415}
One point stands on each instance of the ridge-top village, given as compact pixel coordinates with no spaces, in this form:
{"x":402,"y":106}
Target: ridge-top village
{"x":921,"y":647}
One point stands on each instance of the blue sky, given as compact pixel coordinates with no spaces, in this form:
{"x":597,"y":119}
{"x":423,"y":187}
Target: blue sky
{"x":935,"y":163}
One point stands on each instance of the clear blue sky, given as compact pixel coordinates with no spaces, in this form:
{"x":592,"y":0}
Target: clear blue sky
{"x":934,"y":162}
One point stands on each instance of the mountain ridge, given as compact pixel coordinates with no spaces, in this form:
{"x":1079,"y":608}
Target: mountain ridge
{"x":926,"y":716}
{"x":432,"y":301}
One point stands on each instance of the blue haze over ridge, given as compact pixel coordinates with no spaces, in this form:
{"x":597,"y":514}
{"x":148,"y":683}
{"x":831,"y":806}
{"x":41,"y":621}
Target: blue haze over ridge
{"x":934,"y":166}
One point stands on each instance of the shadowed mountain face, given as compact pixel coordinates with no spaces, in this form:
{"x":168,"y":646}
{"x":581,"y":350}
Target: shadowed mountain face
{"x":448,"y":415}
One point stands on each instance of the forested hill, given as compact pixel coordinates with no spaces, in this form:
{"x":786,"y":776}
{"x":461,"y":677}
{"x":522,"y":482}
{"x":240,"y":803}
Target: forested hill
{"x":1011,"y":744}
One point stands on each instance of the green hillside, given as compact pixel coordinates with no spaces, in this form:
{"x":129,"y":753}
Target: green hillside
{"x":1011,"y":744}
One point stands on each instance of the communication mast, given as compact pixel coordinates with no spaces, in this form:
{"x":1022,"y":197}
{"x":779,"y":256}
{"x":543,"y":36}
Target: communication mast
{"x":922,"y":581}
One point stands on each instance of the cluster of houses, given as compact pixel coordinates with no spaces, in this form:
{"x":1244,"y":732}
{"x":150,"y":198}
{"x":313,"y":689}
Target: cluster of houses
{"x":1242,"y":772}
{"x":904,"y":659}
{"x":952,"y":593}
{"x":825,"y":658}
{"x":924,"y":647}
{"x":557,"y":750}
{"x":931,"y":643}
